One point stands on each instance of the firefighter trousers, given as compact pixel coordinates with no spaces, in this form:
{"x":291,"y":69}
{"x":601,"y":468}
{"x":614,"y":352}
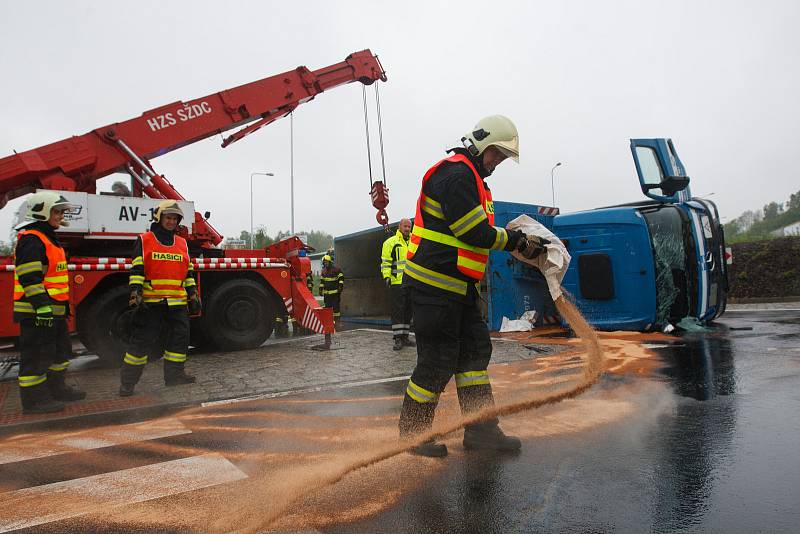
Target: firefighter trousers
{"x":44,"y":353}
{"x":145,"y":329}
{"x":401,"y":310}
{"x":452,"y":339}
{"x":332,"y":301}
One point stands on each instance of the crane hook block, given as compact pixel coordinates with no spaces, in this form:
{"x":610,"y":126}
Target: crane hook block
{"x":380,"y":195}
{"x":382,"y":218}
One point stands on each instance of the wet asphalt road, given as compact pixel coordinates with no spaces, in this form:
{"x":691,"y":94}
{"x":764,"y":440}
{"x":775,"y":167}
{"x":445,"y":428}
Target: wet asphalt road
{"x":706,"y":440}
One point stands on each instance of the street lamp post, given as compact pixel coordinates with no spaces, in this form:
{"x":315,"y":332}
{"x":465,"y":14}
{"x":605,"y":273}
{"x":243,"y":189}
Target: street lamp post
{"x":552,"y":182}
{"x":251,"y":201}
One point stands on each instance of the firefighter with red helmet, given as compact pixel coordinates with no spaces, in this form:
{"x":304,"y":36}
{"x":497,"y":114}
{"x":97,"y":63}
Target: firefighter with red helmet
{"x":447,"y":255}
{"x":41,"y":306}
{"x":163,"y":293}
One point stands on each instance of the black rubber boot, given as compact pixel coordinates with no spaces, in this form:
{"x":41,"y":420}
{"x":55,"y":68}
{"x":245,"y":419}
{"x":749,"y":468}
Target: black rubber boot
{"x":489,"y":437}
{"x":398,"y":343}
{"x":408,"y":342}
{"x":129,"y":376}
{"x":431,"y":449}
{"x":175,"y":375}
{"x":37,"y":399}
{"x":60,"y":390}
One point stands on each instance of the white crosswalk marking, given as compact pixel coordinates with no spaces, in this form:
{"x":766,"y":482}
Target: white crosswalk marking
{"x":73,"y":498}
{"x":41,"y":447}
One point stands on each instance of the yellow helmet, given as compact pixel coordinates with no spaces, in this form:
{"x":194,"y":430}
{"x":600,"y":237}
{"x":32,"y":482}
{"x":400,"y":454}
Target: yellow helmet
{"x":169,"y":206}
{"x":41,"y":204}
{"x":326,"y":257}
{"x":495,"y":130}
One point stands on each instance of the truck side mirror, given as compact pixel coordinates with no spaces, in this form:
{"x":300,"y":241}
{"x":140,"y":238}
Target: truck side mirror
{"x":670,"y":184}
{"x":207,"y":215}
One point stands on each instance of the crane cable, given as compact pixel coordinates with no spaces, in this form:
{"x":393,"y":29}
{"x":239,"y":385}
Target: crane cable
{"x":366,"y":127}
{"x":378,"y":190}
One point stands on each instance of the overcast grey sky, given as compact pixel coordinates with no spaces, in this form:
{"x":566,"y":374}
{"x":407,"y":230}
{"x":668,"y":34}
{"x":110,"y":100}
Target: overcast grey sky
{"x":579,"y":78}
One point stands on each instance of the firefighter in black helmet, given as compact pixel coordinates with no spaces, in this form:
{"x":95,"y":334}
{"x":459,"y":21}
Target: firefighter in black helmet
{"x":447,"y":254}
{"x":163,"y":290}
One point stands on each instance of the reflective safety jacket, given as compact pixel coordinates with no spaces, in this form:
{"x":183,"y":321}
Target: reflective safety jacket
{"x":453,"y":229}
{"x":40,"y":280}
{"x":331,"y":281}
{"x":393,"y":258}
{"x":163,"y":271}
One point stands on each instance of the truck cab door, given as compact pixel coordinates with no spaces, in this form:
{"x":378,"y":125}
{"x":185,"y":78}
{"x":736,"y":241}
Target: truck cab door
{"x":661,"y":174}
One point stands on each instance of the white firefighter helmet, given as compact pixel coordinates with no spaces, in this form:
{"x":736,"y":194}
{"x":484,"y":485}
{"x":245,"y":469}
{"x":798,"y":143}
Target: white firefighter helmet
{"x":169,"y":206}
{"x":41,"y":204}
{"x":497,"y":131}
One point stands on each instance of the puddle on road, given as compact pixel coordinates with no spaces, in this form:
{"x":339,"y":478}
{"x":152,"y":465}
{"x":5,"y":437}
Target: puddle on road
{"x":306,"y":470}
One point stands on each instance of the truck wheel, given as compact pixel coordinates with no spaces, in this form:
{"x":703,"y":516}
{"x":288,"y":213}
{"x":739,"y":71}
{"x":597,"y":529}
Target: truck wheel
{"x":96,"y":322}
{"x":239,"y":315}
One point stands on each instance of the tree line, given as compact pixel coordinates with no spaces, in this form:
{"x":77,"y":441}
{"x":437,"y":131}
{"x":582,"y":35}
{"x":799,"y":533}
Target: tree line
{"x":757,"y":225}
{"x":317,"y":239}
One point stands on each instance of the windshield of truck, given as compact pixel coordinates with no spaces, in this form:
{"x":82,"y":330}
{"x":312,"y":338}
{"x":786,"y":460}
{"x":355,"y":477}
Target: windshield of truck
{"x":671,"y":272}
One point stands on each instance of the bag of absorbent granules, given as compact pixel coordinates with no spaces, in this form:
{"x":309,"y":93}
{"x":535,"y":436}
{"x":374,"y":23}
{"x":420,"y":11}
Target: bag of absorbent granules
{"x":553,"y":264}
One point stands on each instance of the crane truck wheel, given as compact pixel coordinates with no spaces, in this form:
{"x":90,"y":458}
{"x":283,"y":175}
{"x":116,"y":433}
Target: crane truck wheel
{"x":96,"y":322}
{"x":239,"y":315}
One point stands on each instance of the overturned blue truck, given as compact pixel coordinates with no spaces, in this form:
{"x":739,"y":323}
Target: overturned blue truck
{"x":637,"y":266}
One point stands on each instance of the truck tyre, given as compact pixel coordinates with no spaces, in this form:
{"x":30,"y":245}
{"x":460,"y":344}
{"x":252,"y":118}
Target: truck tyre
{"x":239,"y":315}
{"x":96,"y":322}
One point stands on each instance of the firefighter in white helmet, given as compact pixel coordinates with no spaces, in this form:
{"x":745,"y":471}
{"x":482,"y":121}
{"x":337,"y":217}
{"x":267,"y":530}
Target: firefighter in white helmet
{"x":41,"y":306}
{"x":163,"y":292}
{"x":447,"y":255}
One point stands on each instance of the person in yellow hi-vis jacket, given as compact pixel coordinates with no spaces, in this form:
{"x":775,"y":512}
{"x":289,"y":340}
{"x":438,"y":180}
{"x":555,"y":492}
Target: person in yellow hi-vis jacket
{"x":41,"y":306}
{"x":393,"y":262}
{"x":163,"y":290}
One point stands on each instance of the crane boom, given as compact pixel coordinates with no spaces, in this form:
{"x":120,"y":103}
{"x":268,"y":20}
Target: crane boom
{"x":76,"y":163}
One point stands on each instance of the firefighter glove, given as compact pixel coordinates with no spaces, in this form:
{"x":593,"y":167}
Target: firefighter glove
{"x":194,"y":305}
{"x":531,"y":246}
{"x":136,"y":298}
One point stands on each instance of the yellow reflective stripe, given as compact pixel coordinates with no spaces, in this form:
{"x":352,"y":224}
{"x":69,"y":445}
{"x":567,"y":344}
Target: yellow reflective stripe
{"x":472,"y":378}
{"x":468,"y":221}
{"x":59,"y":309}
{"x":328,"y":278}
{"x":445,"y":239}
{"x":57,"y":290}
{"x":18,"y":287}
{"x":136,"y":279}
{"x":330,"y":291}
{"x":59,"y":366}
{"x":63,"y":279}
{"x":501,"y":240}
{"x":471,"y":264}
{"x":135,"y":360}
{"x":137,"y":261}
{"x":430,"y":206}
{"x":176,"y":302}
{"x":420,"y":394}
{"x":23,"y":307}
{"x":174,"y":356}
{"x":35,"y":289}
{"x":31,"y":380}
{"x":30,"y":267}
{"x":432,"y":278}
{"x":165,"y":282}
{"x":189,"y":282}
{"x":153,"y":292}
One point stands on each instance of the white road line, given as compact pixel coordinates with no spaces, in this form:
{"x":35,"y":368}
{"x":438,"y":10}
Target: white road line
{"x":42,"y":447}
{"x":73,"y":498}
{"x":306,"y":390}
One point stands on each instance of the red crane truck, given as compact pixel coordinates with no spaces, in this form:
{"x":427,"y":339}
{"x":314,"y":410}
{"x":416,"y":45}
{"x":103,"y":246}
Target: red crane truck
{"x":242,"y":290}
